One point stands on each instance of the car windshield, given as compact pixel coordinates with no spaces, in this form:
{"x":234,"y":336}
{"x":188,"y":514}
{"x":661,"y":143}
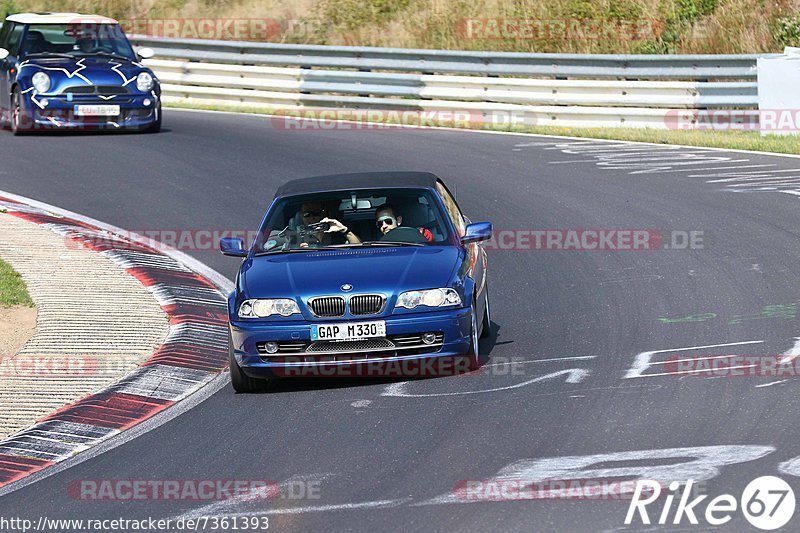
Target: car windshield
{"x":373,"y":217}
{"x":77,"y":40}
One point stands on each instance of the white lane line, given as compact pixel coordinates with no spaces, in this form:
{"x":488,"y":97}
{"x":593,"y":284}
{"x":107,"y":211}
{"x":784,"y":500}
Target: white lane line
{"x":377,"y":504}
{"x":582,"y":357}
{"x":741,"y":176}
{"x":220,"y":511}
{"x":792,"y":353}
{"x":570,"y":162}
{"x":692,"y":372}
{"x":398,"y":390}
{"x":258,"y":494}
{"x":642,"y":361}
{"x":770,"y":384}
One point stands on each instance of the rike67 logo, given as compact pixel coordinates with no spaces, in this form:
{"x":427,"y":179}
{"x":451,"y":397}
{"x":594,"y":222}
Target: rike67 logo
{"x":767,"y":503}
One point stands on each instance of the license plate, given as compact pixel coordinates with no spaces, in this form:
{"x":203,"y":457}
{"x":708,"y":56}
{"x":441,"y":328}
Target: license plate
{"x":348,"y":331}
{"x":97,"y":110}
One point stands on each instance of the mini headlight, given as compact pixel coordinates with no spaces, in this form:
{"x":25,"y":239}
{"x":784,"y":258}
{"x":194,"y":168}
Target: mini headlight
{"x":41,"y":82}
{"x":428,"y":298}
{"x":144,"y":81}
{"x":265,"y":308}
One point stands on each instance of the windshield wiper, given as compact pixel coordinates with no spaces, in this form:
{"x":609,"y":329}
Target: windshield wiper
{"x":389,"y":243}
{"x":106,"y":54}
{"x":292,"y":250}
{"x":51,"y":54}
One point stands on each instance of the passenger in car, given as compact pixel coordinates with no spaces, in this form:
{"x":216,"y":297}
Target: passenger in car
{"x":337,"y":233}
{"x":387,"y":219}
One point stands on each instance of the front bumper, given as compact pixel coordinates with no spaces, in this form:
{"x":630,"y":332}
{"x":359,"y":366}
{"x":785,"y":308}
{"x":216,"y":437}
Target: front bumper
{"x":60,"y":112}
{"x":453,"y":325}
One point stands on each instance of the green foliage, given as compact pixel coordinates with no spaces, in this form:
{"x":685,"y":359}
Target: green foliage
{"x":691,"y":10}
{"x":786,"y":31}
{"x":7,"y":8}
{"x":12,"y":288}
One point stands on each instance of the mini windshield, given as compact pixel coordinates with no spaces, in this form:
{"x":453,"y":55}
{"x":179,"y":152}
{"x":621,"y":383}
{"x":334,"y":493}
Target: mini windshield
{"x":372,"y":217}
{"x":78,"y":40}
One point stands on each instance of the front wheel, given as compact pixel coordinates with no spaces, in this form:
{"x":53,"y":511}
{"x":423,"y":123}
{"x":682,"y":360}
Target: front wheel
{"x":18,"y":126}
{"x":155,"y":127}
{"x":240,"y":381}
{"x":472,"y":351}
{"x":486,"y":325}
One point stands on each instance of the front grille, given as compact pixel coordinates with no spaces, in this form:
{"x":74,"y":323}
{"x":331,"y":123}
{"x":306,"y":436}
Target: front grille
{"x":350,"y":346}
{"x":327,"y":306}
{"x":391,"y":346}
{"x":366,"y":304}
{"x":97,"y":89}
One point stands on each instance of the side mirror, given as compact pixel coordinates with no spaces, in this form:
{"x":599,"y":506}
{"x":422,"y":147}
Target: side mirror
{"x":477,"y":232}
{"x":232,"y":246}
{"x":145,"y":53}
{"x":3,"y":53}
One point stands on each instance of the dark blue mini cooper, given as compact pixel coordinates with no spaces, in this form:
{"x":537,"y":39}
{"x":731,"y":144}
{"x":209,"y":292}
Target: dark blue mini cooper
{"x":375,"y":274}
{"x":72,"y":71}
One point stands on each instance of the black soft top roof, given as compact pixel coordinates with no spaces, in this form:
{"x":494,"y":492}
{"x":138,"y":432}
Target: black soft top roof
{"x":361,"y":180}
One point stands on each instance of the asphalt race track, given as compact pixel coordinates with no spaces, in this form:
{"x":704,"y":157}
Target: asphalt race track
{"x":386,"y":456}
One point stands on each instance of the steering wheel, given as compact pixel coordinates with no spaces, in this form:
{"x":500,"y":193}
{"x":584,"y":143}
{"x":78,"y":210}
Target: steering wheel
{"x":404,"y":234}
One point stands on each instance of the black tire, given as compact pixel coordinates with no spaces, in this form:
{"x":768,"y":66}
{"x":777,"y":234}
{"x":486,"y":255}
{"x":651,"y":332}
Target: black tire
{"x":241,"y":382}
{"x":155,"y":127}
{"x":486,"y":326}
{"x":473,"y":350}
{"x":17,"y":112}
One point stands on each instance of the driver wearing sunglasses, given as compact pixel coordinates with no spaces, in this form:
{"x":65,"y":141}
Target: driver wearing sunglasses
{"x":337,"y":233}
{"x":386,"y":221}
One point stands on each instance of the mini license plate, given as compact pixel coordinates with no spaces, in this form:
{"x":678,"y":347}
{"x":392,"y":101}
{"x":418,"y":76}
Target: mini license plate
{"x":348,"y":331}
{"x":97,"y":110}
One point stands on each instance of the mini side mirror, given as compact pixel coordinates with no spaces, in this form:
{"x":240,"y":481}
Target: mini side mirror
{"x":3,"y":53}
{"x":145,"y":53}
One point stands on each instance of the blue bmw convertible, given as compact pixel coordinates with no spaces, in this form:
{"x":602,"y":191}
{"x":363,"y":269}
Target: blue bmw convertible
{"x":72,"y":71}
{"x":352,"y":273}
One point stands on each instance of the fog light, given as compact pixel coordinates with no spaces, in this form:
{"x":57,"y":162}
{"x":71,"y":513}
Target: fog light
{"x":44,"y":102}
{"x":271,"y":347}
{"x":428,"y":338}
{"x":147,"y":102}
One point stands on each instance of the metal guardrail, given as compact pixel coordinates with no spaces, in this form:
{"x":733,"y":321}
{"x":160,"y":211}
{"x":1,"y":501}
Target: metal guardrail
{"x":556,"y":89}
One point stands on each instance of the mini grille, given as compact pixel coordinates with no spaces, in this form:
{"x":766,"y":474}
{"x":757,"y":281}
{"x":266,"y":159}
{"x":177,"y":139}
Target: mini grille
{"x":366,"y":304}
{"x":328,"y":306}
{"x":96,"y":89}
{"x":350,"y":346}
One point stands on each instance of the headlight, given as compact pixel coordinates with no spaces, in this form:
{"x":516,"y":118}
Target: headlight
{"x":144,"y":81}
{"x":265,"y":308}
{"x":428,"y":298}
{"x":41,"y":82}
